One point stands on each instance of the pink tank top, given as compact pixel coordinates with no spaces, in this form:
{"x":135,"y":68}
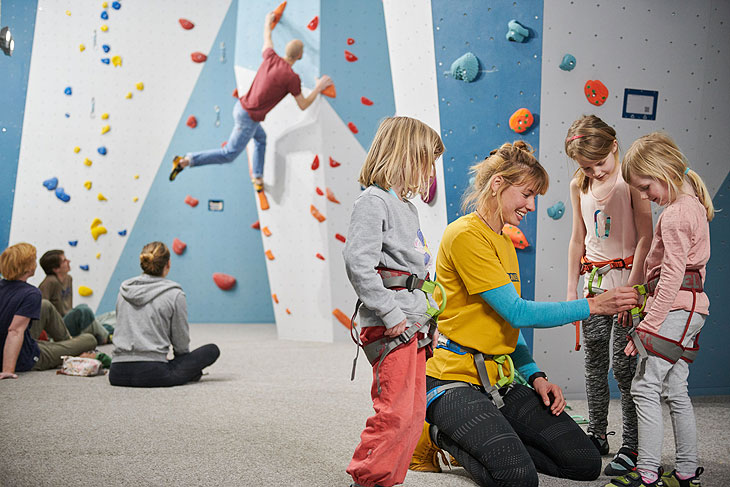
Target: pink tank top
{"x":610,"y":230}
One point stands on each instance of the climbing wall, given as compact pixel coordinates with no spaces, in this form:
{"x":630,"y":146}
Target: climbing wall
{"x":676,"y":48}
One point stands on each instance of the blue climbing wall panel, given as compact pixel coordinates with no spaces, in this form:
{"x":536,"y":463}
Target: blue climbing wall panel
{"x":217,"y":241}
{"x":20,"y":17}
{"x":474,"y":116}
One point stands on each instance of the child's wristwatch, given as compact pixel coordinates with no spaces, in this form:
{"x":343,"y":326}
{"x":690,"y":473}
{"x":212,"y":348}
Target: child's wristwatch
{"x":536,"y":375}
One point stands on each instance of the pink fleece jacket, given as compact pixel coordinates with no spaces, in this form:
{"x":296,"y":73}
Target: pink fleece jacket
{"x":681,"y":241}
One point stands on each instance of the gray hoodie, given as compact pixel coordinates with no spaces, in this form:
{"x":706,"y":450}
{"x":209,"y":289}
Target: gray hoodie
{"x":152,"y":314}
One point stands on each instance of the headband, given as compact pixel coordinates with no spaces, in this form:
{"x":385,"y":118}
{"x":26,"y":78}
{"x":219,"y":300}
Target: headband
{"x":574,"y":137}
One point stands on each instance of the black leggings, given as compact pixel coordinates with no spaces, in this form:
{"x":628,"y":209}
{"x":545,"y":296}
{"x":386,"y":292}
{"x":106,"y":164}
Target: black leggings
{"x":178,"y":371}
{"x":508,"y":446}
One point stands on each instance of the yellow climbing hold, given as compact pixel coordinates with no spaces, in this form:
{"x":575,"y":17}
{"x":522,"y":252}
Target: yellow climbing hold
{"x":140,"y":86}
{"x":82,"y":47}
{"x":104,"y":28}
{"x":87,"y":184}
{"x":135,"y":199}
{"x":104,"y":116}
{"x":68,"y":12}
{"x":87,"y":161}
{"x":104,"y":5}
{"x":85,"y":291}
{"x":98,"y":256}
{"x":101,"y":197}
{"x":97,"y":229}
{"x":117,"y":61}
{"x":129,"y":95}
{"x":77,"y":149}
{"x":105,"y":129}
{"x":96,"y":222}
{"x":136,"y":176}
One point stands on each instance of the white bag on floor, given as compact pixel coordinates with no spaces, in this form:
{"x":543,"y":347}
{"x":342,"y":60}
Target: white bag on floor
{"x":81,"y":366}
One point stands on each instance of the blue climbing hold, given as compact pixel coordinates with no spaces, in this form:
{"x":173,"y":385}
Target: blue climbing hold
{"x":73,"y":243}
{"x":61,"y":195}
{"x":101,"y":150}
{"x":105,"y":60}
{"x":122,"y":232}
{"x":516,"y":32}
{"x":465,"y":68}
{"x":104,"y":15}
{"x":568,"y":62}
{"x":556,"y":211}
{"x":116,"y":5}
{"x":67,"y":115}
{"x":67,"y":90}
{"x":84,"y":267}
{"x":106,"y":47}
{"x":50,"y":184}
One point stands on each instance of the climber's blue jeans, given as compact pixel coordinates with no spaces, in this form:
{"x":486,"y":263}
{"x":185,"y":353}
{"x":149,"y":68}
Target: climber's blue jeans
{"x":243,"y":130}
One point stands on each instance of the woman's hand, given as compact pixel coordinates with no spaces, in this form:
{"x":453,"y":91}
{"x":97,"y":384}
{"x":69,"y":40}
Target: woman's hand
{"x":630,"y":349}
{"x":545,"y":390}
{"x":8,"y":375}
{"x":396,"y":330}
{"x":614,"y":301}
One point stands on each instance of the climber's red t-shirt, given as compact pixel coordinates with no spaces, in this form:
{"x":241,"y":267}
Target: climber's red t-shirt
{"x":272,"y":82}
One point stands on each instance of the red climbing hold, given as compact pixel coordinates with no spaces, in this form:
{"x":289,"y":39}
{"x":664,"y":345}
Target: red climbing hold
{"x":312,"y":25}
{"x":320,"y":256}
{"x":178,"y":246}
{"x":350,"y":56}
{"x":330,"y":91}
{"x":198,"y":57}
{"x":315,"y":163}
{"x":278,"y":11}
{"x":275,"y":298}
{"x":256,"y":225}
{"x":224,"y":143}
{"x":350,"y":41}
{"x":340,"y":237}
{"x":224,"y":281}
{"x":319,"y":191}
{"x":334,"y":163}
{"x":192,"y":122}
{"x":596,"y":92}
{"x":235,"y":93}
{"x":191,"y":201}
{"x":186,"y":24}
{"x":331,"y":196}
{"x":353,"y":127}
{"x":366,"y":101}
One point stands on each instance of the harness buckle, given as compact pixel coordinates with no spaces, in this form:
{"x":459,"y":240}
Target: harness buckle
{"x":412,"y":282}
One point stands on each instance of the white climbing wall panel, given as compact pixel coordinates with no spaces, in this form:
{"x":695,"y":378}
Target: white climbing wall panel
{"x":677,"y":48}
{"x":155,"y":51}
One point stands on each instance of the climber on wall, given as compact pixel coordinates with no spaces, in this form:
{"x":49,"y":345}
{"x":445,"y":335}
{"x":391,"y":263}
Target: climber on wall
{"x":274,"y":79}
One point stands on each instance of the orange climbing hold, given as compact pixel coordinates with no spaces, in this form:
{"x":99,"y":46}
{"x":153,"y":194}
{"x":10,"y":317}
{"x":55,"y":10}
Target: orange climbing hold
{"x":340,"y":237}
{"x":331,"y":196}
{"x":330,"y":91}
{"x":278,"y":11}
{"x":275,"y":298}
{"x":353,"y":127}
{"x":266,"y":231}
{"x":235,"y":93}
{"x":350,"y":56}
{"x":256,"y":225}
{"x":366,"y":101}
{"x":192,"y":122}
{"x":319,"y":191}
{"x":178,"y":246}
{"x":319,"y":256}
{"x":198,"y":57}
{"x":269,"y":255}
{"x":315,"y":163}
{"x":521,"y":120}
{"x":191,"y":201}
{"x":263,"y":202}
{"x":515,"y":234}
{"x":312,"y":25}
{"x":596,"y":92}
{"x":224,"y":281}
{"x":334,"y":163}
{"x":342,"y":318}
{"x":288,"y":311}
{"x":316,"y":214}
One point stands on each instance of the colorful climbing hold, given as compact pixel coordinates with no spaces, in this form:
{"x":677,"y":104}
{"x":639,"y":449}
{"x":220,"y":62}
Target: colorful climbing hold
{"x":136,"y":176}
{"x":269,"y":255}
{"x":515,"y":32}
{"x":87,"y":184}
{"x":61,"y":195}
{"x":278,"y":12}
{"x":263,"y":202}
{"x":82,"y":48}
{"x":67,"y":115}
{"x":104,"y":116}
{"x":128,"y":95}
{"x":68,"y":12}
{"x":104,"y":5}
{"x":429,"y":195}
{"x":235,"y":93}
{"x":319,"y":191}
{"x":465,"y":68}
{"x":135,"y":199}
{"x":104,"y":15}
{"x":331,"y":196}
{"x":85,"y":291}
{"x":275,"y":298}
{"x":316,"y":214}
{"x":192,"y":122}
{"x":73,"y":243}
{"x":191,"y":201}
{"x":312,"y":25}
{"x":51,"y":184}
{"x":104,"y":28}
{"x":330,"y":91}
{"x":68,"y":90}
{"x":116,"y":5}
{"x":105,"y":129}
{"x":352,"y":127}
{"x":334,"y":163}
{"x":117,"y":61}
{"x":98,"y":256}
{"x":556,"y":211}
{"x":515,"y":234}
{"x":178,"y":246}
{"x":122,"y":233}
{"x":77,"y":149}
{"x":521,"y":120}
{"x":105,"y":47}
{"x":97,"y":228}
{"x":366,"y":101}
{"x":315,"y":163}
{"x":340,"y":237}
{"x":84,"y":267}
{"x":568,"y":62}
{"x":186,"y":24}
{"x":288,"y":311}
{"x":105,"y":60}
{"x":319,"y":256}
{"x":139,"y":86}
{"x":101,"y":197}
{"x":87,"y":161}
{"x":596,"y":92}
{"x":256,"y":225}
{"x":350,"y":41}
{"x":342,"y":318}
{"x":101,"y":150}
{"x":198,"y":57}
{"x":350,"y":56}
{"x":266,"y":231}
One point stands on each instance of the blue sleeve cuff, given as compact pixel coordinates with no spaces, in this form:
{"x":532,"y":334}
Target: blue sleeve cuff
{"x":522,"y":358}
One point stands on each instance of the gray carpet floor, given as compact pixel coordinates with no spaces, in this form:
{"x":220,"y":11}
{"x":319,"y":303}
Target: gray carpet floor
{"x":268,"y":413}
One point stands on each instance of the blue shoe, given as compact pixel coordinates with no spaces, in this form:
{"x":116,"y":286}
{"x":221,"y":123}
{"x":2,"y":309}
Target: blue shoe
{"x":623,"y":463}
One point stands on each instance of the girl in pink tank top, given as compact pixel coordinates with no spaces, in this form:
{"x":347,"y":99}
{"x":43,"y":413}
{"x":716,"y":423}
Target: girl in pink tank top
{"x":611,"y":232}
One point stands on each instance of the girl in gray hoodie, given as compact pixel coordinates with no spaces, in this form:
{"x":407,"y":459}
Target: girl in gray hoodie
{"x":152,"y":315}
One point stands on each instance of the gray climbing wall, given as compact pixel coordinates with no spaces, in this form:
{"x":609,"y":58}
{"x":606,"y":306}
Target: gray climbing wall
{"x":677,"y":48}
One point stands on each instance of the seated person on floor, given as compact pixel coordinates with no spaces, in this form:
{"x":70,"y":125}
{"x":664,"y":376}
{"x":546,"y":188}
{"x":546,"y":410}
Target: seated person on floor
{"x":57,"y":288}
{"x":24,"y":315}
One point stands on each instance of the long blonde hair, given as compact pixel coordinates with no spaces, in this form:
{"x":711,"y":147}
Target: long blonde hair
{"x":402,"y":154}
{"x":591,"y":139}
{"x":656,"y":156}
{"x":516,"y":164}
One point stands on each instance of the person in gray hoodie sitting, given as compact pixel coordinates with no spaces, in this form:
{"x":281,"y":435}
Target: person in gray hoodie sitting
{"x":152,"y":315}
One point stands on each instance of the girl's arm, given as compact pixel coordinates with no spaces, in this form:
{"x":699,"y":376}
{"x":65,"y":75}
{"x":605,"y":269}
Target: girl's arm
{"x":576,"y":248}
{"x":644,"y":233}
{"x":13,"y":342}
{"x":522,"y":358}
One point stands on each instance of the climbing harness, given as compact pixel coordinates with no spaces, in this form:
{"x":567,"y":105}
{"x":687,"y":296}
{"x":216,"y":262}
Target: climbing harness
{"x":655,"y":344}
{"x":377,"y":350}
{"x":596,"y":270}
{"x":492,"y":390}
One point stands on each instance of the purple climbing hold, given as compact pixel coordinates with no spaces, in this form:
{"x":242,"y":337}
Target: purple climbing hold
{"x":122,"y":232}
{"x":61,"y":195}
{"x":67,"y":90}
{"x":101,"y":150}
{"x":105,"y":60}
{"x":116,"y":5}
{"x":50,"y":184}
{"x":84,"y":267}
{"x":106,"y":47}
{"x":73,"y":243}
{"x":104,"y":15}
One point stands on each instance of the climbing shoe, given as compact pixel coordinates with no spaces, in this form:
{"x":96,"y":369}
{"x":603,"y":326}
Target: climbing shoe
{"x":623,"y":463}
{"x":633,"y":479}
{"x":426,"y":456}
{"x":671,"y":479}
{"x":176,"y":167}
{"x":601,"y":441}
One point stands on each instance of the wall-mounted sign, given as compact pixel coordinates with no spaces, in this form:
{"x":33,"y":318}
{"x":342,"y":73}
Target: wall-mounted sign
{"x":640,"y":104}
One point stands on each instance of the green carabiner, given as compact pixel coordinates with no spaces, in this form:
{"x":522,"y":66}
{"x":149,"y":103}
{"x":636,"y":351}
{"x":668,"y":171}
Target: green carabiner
{"x":591,"y":277}
{"x":504,"y":380}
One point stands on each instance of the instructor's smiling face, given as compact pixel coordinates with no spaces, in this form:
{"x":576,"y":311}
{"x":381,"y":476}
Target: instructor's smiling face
{"x":517,"y":201}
